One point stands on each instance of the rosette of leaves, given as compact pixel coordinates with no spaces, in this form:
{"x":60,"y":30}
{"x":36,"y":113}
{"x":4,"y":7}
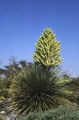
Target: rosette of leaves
{"x":37,"y":90}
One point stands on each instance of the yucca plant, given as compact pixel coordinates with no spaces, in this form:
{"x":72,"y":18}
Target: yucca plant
{"x":37,"y":90}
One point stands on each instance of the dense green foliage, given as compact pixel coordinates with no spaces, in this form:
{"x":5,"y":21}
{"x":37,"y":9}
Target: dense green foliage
{"x":74,"y":86}
{"x":60,"y":113}
{"x":3,"y":89}
{"x":7,"y":74}
{"x":47,"y":53}
{"x":35,"y":89}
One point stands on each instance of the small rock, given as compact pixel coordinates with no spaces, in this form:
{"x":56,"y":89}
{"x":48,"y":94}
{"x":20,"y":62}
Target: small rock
{"x":2,"y":112}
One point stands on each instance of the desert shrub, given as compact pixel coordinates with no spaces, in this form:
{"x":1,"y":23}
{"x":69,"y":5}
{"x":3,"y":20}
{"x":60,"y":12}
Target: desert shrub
{"x":3,"y":89}
{"x":37,"y":90}
{"x":61,"y":113}
{"x":74,"y":86}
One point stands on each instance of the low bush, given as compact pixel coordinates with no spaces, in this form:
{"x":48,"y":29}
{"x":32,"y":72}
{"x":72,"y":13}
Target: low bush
{"x":74,"y":86}
{"x":61,"y":113}
{"x":3,"y":89}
